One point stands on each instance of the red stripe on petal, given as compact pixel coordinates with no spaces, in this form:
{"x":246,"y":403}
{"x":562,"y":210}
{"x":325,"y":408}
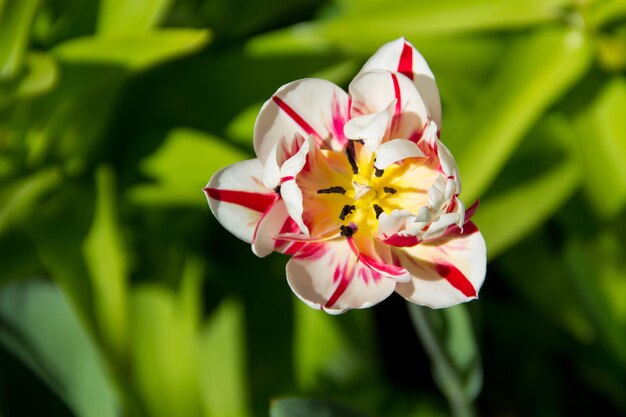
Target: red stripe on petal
{"x":402,"y":241}
{"x":398,"y":94}
{"x":254,"y":201}
{"x":382,"y":268}
{"x":456,"y":279}
{"x":397,"y":112}
{"x":295,"y":117}
{"x":339,"y":121}
{"x":341,"y":274}
{"x":285,"y":179}
{"x":312,"y":251}
{"x":468,"y":226}
{"x":405,"y":65}
{"x":471,"y":210}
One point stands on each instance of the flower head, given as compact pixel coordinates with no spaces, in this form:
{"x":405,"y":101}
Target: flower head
{"x":358,"y":189}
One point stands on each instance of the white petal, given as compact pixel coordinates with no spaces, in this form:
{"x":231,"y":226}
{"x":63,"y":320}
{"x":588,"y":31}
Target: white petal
{"x":238,"y":198}
{"x":271,"y":224}
{"x":292,"y":166}
{"x":445,"y":272}
{"x":292,"y":196}
{"x":396,"y":150}
{"x":421,"y":220}
{"x":401,"y":56}
{"x":327,"y":276}
{"x":370,"y":128}
{"x":441,"y":224}
{"x":308,"y":107}
{"x":448,"y":164}
{"x":436,"y":193}
{"x":271,"y":170}
{"x":390,"y":224}
{"x":373,"y":91}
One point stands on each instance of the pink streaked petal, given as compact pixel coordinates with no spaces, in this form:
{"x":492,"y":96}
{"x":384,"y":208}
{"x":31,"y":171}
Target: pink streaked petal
{"x":394,"y":272}
{"x":396,"y":150}
{"x":283,"y":159}
{"x":468,"y":225}
{"x":328,"y":276}
{"x":284,"y":246}
{"x":308,"y":107}
{"x":392,"y":223}
{"x":400,"y":56}
{"x":448,"y":164}
{"x":238,"y":198}
{"x":378,"y":258}
{"x":402,"y":241}
{"x":270,"y":225}
{"x":445,"y":272}
{"x":373,"y":91}
{"x":298,"y":237}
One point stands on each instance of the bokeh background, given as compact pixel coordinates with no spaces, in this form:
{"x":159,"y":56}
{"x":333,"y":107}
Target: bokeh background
{"x":120,"y":294}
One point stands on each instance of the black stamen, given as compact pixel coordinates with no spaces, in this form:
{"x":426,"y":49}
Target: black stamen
{"x":332,"y":190}
{"x":346,"y":210}
{"x":389,"y":190}
{"x":346,"y":231}
{"x":378,"y":209}
{"x":352,"y":157}
{"x":277,"y":190}
{"x":379,"y":172}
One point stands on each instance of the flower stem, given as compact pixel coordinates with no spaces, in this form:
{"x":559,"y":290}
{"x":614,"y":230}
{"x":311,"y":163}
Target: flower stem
{"x":445,"y":373}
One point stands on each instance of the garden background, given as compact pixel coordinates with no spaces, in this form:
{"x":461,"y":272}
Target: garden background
{"x":121,"y":295}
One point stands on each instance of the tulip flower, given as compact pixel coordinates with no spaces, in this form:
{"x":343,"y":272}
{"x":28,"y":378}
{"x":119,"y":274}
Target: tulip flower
{"x":358,"y":189}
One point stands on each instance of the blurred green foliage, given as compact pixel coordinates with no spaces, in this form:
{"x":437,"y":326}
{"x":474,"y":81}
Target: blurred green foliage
{"x":121,"y":295}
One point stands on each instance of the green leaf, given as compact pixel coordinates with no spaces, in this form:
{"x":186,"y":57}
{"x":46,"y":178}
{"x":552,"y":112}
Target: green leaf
{"x":135,"y":52}
{"x":599,"y":13}
{"x":107,"y":263}
{"x":602,"y":297}
{"x":58,"y":233}
{"x":536,"y":73}
{"x":506,"y":218}
{"x":522,"y":275}
{"x":123,"y":17}
{"x":612,"y":51}
{"x":39,"y":76}
{"x":18,"y":200}
{"x":241,"y":128}
{"x":164,"y":352}
{"x":182,"y":167}
{"x":16,"y":18}
{"x":601,"y":141}
{"x":418,"y":18}
{"x":222,"y":350}
{"x":321,"y":349}
{"x":39,"y":327}
{"x":292,"y":407}
{"x":448,"y":339}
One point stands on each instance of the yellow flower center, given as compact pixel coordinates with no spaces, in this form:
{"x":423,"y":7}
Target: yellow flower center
{"x":349,"y":193}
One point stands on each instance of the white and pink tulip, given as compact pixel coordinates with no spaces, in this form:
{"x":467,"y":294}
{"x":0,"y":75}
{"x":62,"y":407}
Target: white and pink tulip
{"x":358,"y":189}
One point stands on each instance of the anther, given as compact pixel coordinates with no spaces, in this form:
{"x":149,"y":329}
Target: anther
{"x":346,"y":210}
{"x":378,"y":209}
{"x":352,"y":157}
{"x":347,"y":231}
{"x":332,"y":190}
{"x":378,"y":172}
{"x":389,"y":190}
